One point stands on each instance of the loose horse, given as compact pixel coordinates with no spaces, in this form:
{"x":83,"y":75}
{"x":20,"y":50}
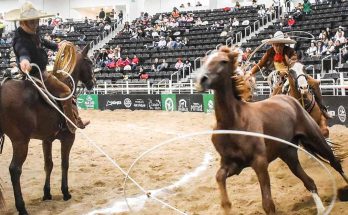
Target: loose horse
{"x":280,"y":116}
{"x":24,"y":115}
{"x":298,"y":88}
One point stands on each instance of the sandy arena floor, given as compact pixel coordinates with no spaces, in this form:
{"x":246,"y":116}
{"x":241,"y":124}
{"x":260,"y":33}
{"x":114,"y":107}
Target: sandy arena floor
{"x":95,"y":183}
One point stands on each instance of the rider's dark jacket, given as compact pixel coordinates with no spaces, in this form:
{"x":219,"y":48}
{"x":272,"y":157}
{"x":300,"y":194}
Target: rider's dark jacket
{"x":268,"y":62}
{"x":30,"y":47}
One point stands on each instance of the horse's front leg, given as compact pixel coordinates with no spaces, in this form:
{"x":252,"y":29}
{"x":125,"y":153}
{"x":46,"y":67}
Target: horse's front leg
{"x":67,"y":141}
{"x":260,"y":166}
{"x":222,"y":174}
{"x":47,"y":151}
{"x":20,"y":152}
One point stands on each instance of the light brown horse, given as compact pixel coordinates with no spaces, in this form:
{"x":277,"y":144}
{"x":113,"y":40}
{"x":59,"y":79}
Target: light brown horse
{"x":280,"y":116}
{"x":24,"y":115}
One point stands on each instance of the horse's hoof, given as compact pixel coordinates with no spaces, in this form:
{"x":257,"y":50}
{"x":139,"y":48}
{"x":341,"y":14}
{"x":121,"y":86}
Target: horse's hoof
{"x":342,"y":194}
{"x":23,"y":212}
{"x":66,"y":197}
{"x":47,"y":197}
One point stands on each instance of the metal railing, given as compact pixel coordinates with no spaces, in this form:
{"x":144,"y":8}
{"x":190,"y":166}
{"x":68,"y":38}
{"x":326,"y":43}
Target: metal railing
{"x":246,"y":30}
{"x":195,"y":63}
{"x":229,"y":41}
{"x":257,"y":22}
{"x":177,"y":76}
{"x":322,"y":64}
{"x":340,"y":55}
{"x":313,"y":70}
{"x":240,"y":37}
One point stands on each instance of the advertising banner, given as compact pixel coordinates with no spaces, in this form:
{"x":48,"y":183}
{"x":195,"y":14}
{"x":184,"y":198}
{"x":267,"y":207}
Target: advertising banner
{"x":111,"y":102}
{"x":337,"y":107}
{"x":208,"y":103}
{"x":89,"y":101}
{"x":168,"y":102}
{"x":189,"y":102}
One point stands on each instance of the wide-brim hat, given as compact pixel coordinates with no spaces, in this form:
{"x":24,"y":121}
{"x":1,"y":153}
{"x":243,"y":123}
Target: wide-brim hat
{"x":279,"y":37}
{"x":26,"y":12}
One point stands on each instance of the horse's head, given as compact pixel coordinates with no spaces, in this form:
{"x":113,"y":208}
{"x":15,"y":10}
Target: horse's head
{"x":299,"y":76}
{"x":84,"y":68}
{"x":217,"y":68}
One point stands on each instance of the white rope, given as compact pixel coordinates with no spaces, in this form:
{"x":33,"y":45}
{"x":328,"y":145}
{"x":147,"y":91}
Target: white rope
{"x":43,"y":83}
{"x":246,"y":133}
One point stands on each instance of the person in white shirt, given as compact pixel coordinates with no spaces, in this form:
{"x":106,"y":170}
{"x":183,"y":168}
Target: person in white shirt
{"x":235,"y":22}
{"x":162,"y":43}
{"x":339,"y":36}
{"x":312,"y":50}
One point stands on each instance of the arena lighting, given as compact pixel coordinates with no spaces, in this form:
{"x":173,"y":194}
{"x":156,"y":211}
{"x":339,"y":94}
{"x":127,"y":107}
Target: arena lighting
{"x":235,"y":132}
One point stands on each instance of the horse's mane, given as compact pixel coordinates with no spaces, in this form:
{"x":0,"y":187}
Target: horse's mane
{"x":240,"y":89}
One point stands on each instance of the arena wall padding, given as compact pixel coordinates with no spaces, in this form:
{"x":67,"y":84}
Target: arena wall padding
{"x":337,"y":105}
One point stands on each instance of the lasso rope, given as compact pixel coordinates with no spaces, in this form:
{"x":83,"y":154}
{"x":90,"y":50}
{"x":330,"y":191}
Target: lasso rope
{"x":65,"y":59}
{"x":246,"y":133}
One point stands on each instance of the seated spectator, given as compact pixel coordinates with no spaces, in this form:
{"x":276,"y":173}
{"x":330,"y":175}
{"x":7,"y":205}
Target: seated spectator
{"x":198,"y":4}
{"x":246,"y":54}
{"x":172,"y":43}
{"x":2,"y":41}
{"x":182,"y":6}
{"x":102,"y":58}
{"x":338,"y":46}
{"x":142,"y":74}
{"x":321,"y":48}
{"x":254,"y":4}
{"x":235,"y":22}
{"x":175,"y":13}
{"x":135,"y":62}
{"x":340,"y":29}
{"x":101,"y":14}
{"x":330,"y":48}
{"x":117,"y":51}
{"x":188,"y":4}
{"x":58,"y":30}
{"x":261,"y":12}
{"x":312,"y":50}
{"x":162,"y":43}
{"x":340,"y":37}
{"x":187,"y":67}
{"x":179,"y":65}
{"x":307,"y":7}
{"x":153,"y":68}
{"x":82,"y":38}
{"x":70,"y":29}
{"x":291,"y":21}
{"x":198,"y":21}
{"x":119,"y":64}
{"x":163,"y":66}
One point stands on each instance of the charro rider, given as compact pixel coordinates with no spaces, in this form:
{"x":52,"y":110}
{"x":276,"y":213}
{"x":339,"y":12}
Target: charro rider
{"x":280,"y":58}
{"x":28,"y":48}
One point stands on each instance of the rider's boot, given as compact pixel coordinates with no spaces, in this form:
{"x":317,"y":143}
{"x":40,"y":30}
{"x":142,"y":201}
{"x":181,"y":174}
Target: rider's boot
{"x":314,"y":84}
{"x":58,"y":88}
{"x":68,"y":109}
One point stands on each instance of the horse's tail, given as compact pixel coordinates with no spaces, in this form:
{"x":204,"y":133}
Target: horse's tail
{"x":338,"y":150}
{"x":320,"y":148}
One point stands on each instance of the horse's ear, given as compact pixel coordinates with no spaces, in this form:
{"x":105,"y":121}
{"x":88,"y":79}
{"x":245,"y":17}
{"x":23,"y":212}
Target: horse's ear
{"x":85,"y":50}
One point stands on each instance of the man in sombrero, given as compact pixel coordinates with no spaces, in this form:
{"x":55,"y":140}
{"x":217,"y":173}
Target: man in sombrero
{"x":28,"y":48}
{"x":281,"y":57}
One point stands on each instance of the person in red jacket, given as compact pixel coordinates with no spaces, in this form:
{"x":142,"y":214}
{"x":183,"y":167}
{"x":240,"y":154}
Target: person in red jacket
{"x":291,"y":21}
{"x":135,"y":62}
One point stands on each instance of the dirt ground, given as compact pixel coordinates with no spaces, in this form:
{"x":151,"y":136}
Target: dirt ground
{"x":96,"y":184}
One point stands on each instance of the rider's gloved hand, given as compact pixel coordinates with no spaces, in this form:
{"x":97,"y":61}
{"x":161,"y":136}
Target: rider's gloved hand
{"x":247,"y":75}
{"x":25,"y":65}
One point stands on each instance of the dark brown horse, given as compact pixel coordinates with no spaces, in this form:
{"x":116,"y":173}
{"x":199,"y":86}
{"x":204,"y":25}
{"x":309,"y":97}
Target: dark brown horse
{"x":24,"y":115}
{"x":280,"y":116}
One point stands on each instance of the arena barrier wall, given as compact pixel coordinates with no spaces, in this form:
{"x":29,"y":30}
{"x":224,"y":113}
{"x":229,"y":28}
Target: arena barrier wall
{"x":337,"y":105}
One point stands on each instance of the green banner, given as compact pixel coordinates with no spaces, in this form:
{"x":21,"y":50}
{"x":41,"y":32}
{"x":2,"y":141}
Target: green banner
{"x":208,"y":103}
{"x":88,"y":102}
{"x":168,"y":102}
